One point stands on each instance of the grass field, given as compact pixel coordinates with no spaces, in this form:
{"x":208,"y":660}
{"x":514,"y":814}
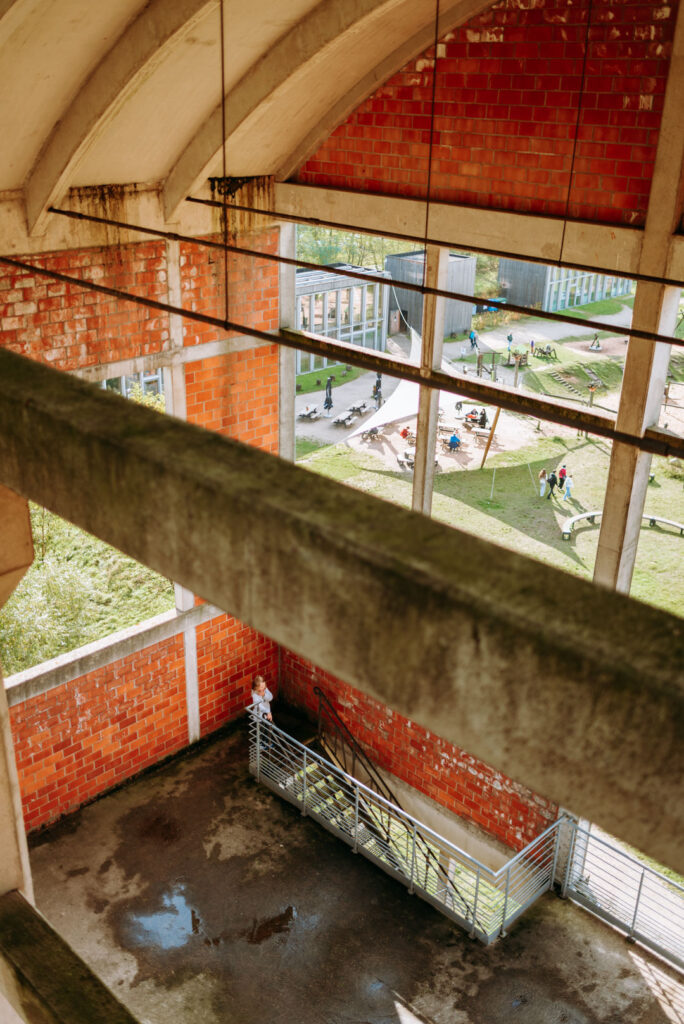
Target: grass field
{"x":501,"y":503}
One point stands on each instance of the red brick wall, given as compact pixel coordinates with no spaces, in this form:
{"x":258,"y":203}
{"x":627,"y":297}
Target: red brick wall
{"x":252,"y":286}
{"x":506,"y":107}
{"x":236,"y":395}
{"x":79,"y":739}
{"x":229,"y":655}
{"x":453,"y":778}
{"x":69,"y":327}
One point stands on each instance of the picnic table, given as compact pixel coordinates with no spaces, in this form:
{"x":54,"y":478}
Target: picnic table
{"x":309,"y":412}
{"x":345,"y":418}
{"x":359,"y":408}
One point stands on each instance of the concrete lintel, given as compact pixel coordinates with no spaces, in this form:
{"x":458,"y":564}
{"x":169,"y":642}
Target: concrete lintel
{"x":43,"y":979}
{"x":31,"y":682}
{"x":16,"y":552}
{"x":604,"y":245}
{"x":170,"y":359}
{"x":565,"y":687}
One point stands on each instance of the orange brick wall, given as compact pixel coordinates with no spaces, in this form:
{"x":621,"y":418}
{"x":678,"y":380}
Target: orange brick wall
{"x":69,"y":327}
{"x":236,"y":395}
{"x":229,"y":655}
{"x":83,"y":737}
{"x":450,"y":776}
{"x":508,"y":95}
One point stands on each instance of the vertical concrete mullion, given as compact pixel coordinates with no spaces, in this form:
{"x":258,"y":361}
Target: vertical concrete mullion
{"x":176,"y":405}
{"x":436,"y":264}
{"x":287,"y":356}
{"x":655,"y":309}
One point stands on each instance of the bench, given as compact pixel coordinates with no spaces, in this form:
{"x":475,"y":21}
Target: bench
{"x":481,"y":432}
{"x":345,"y":418}
{"x":569,"y":524}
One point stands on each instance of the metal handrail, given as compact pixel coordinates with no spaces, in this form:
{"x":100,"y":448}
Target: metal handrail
{"x":346,"y":736}
{"x":631,"y":858}
{"x":273,"y":761}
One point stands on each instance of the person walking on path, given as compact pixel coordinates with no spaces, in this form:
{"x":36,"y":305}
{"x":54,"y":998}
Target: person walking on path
{"x":542,"y":483}
{"x":531,"y":346}
{"x":568,"y":487}
{"x":553,"y":480}
{"x":562,"y":473}
{"x":328,"y":403}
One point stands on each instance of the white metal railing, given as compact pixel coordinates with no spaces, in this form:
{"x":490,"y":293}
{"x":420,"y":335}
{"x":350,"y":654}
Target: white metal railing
{"x":481,"y":900}
{"x":627,"y":893}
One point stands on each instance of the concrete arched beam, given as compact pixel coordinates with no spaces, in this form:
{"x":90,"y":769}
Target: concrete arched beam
{"x":292,"y":56}
{"x":455,"y":14}
{"x":294,"y":50}
{"x":146,"y":41}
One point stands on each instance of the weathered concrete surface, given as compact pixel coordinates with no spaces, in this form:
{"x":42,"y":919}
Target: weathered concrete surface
{"x":42,"y":978}
{"x":572,"y":690}
{"x":198,"y":896}
{"x":16,"y":542}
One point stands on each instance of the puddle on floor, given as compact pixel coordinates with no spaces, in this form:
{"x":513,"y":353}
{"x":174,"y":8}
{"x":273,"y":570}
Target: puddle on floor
{"x":168,"y":928}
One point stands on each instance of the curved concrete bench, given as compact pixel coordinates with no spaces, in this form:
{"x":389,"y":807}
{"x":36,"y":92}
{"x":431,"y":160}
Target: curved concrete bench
{"x":569,"y":524}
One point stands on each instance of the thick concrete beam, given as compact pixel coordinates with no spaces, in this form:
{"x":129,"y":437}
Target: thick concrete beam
{"x":42,"y":978}
{"x":157,"y":30}
{"x":572,"y":690}
{"x":596,"y":245}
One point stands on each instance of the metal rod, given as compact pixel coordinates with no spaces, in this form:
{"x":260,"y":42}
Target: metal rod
{"x":477,"y":893}
{"x":505,"y":906}
{"x":356,"y":818}
{"x":421,"y":289}
{"x":636,"y":906}
{"x":655,"y":441}
{"x":258,"y":749}
{"x":450,"y":244}
{"x":413,"y":859}
{"x":304,"y":783}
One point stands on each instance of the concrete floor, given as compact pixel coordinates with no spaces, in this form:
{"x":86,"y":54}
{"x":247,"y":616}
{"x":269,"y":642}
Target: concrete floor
{"x":197,"y":895}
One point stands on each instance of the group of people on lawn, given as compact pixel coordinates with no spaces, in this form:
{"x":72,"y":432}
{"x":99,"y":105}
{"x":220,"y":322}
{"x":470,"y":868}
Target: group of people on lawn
{"x":562,"y":480}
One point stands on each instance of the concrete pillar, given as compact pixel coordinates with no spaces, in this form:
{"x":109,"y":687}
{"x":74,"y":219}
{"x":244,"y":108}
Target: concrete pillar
{"x":16,"y":555}
{"x":286,"y":356}
{"x":655,"y":308}
{"x":176,"y":405}
{"x":436,"y":264}
{"x":643,"y":387}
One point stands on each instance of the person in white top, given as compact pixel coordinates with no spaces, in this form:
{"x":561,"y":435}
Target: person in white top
{"x":261,"y":698}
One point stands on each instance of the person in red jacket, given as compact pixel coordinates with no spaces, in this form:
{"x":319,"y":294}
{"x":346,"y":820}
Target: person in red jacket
{"x":562,"y":473}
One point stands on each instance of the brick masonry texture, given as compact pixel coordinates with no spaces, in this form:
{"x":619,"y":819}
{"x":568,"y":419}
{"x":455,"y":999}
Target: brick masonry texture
{"x":450,"y":776}
{"x":78,"y":740}
{"x":71,"y":328}
{"x":82,"y":738}
{"x":229,"y":655}
{"x":512,"y":89}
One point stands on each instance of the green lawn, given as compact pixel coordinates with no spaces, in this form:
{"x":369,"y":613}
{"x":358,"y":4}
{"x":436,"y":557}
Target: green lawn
{"x":316,"y":379}
{"x":504,"y":507}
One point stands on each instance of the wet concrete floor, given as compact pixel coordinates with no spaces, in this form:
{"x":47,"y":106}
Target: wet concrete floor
{"x":197,"y":895}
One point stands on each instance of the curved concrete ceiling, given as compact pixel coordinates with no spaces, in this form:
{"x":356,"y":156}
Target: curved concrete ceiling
{"x":130,"y":92}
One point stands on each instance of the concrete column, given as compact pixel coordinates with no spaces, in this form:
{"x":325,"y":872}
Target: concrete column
{"x":655,"y":308}
{"x":176,"y":405}
{"x":436,"y":264}
{"x":174,"y":375}
{"x":643,"y":387}
{"x":287,"y":356}
{"x":16,"y":555}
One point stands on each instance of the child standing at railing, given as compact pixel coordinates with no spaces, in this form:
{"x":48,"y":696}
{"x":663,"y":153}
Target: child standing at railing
{"x":261,"y":698}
